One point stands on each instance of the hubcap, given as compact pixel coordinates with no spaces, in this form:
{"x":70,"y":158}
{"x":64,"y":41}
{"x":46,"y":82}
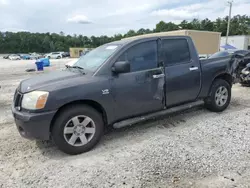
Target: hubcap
{"x":221,"y":96}
{"x":79,"y":130}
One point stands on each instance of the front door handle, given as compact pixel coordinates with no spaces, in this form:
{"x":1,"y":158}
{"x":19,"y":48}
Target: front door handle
{"x":158,"y":76}
{"x":193,"y":68}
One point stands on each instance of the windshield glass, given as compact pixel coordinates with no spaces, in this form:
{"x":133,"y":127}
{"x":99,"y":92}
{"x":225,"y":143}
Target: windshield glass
{"x":96,"y":57}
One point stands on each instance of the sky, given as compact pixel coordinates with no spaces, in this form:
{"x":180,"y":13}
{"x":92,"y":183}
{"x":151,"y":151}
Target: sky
{"x":107,"y":17}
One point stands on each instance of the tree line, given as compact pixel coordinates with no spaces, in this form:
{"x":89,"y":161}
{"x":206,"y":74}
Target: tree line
{"x":25,"y":42}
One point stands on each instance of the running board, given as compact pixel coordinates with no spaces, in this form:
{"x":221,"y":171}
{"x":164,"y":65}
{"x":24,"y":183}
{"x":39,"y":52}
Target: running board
{"x":135,"y":120}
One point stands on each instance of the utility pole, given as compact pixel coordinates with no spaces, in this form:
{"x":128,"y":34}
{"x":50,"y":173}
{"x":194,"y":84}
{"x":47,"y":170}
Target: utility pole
{"x":229,"y":19}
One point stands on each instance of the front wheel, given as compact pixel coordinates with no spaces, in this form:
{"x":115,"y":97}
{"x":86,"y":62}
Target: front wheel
{"x":77,"y":129}
{"x":219,"y":97}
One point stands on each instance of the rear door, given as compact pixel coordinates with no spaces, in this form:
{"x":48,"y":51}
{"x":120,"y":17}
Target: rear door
{"x":139,"y":91}
{"x":182,"y":70}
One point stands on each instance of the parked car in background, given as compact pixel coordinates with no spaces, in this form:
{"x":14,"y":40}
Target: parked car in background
{"x":35,"y":56}
{"x":118,"y":84}
{"x":55,"y":55}
{"x":6,"y":56}
{"x":25,"y":56}
{"x":66,"y":54}
{"x":45,"y":55}
{"x":14,"y":57}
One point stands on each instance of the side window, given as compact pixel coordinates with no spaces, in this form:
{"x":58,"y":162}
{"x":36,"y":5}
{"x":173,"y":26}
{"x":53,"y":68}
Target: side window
{"x":175,"y":51}
{"x":142,"y":56}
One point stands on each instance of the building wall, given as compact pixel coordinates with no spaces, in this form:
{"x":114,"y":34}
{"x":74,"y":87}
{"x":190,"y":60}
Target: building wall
{"x":248,"y":41}
{"x":205,"y":42}
{"x":241,"y":42}
{"x":76,"y":52}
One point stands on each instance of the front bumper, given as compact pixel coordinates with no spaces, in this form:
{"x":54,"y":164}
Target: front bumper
{"x":33,"y":125}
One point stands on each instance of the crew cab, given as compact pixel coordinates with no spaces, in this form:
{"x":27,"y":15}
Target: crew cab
{"x":119,"y":84}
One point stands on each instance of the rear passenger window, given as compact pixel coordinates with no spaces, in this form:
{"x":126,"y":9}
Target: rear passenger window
{"x":142,"y":56}
{"x":175,"y":51}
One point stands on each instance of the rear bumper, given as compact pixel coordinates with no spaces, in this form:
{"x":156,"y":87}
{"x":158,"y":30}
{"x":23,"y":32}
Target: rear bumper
{"x":33,"y":125}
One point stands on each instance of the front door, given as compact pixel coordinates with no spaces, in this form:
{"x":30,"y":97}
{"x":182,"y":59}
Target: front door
{"x":139,"y":91}
{"x":182,"y":70}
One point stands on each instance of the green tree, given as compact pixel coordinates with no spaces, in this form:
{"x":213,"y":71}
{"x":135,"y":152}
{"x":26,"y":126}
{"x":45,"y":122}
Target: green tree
{"x":130,"y":33}
{"x":207,"y":25}
{"x":25,"y":42}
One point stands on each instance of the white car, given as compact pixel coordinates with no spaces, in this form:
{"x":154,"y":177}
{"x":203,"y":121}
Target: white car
{"x":14,"y":57}
{"x":55,"y":55}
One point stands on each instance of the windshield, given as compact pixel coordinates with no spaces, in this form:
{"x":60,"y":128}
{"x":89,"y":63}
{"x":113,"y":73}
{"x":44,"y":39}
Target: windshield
{"x":96,"y":57}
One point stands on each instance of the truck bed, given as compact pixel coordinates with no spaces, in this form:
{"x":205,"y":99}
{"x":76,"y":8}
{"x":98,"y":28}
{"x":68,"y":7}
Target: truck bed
{"x":210,"y":68}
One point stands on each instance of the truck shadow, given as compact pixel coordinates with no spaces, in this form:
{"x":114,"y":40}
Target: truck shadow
{"x":115,"y":138}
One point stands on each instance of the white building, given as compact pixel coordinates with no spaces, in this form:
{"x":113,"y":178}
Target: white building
{"x":241,"y":42}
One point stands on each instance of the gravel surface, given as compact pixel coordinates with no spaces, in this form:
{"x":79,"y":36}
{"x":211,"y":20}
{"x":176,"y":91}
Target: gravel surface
{"x":195,"y":148}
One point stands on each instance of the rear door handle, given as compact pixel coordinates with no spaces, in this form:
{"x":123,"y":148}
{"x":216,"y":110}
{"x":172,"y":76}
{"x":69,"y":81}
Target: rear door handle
{"x":158,"y":76}
{"x":193,"y":68}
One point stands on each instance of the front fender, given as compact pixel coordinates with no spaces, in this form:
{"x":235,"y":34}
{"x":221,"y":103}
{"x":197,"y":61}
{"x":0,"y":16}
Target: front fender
{"x":98,"y":92}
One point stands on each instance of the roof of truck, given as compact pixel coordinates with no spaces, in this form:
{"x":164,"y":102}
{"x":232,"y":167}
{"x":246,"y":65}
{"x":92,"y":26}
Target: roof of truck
{"x":132,"y":39}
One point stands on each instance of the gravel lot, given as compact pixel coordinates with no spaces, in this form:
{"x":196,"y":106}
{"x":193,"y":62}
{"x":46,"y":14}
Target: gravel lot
{"x":196,"y":148}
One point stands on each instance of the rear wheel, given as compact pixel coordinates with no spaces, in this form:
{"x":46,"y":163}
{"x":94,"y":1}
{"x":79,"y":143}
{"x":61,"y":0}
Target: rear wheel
{"x":77,"y":129}
{"x":219,"y":97}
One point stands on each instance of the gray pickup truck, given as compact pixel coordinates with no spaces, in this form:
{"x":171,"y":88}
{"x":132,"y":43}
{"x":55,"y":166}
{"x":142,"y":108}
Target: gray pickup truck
{"x":119,"y":84}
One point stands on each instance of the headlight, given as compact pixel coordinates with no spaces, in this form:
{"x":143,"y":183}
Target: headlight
{"x":35,"y":100}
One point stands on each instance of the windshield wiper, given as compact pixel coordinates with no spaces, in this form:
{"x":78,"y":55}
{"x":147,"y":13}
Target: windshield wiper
{"x":75,"y":67}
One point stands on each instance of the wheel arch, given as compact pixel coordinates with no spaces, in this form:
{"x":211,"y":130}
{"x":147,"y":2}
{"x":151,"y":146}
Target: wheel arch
{"x":224,"y":76}
{"x":97,"y":106}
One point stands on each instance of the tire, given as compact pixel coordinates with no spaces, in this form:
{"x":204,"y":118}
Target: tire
{"x":59,"y":57}
{"x":216,"y":102}
{"x":64,"y":119}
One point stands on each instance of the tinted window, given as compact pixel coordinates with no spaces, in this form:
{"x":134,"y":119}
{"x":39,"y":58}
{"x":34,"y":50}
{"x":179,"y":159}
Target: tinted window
{"x":142,"y":56}
{"x":175,"y":51}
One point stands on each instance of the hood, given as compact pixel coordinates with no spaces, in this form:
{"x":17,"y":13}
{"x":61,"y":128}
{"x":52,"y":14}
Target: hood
{"x":48,"y":79}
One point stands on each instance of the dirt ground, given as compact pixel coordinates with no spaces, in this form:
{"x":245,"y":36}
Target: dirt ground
{"x":195,"y":148}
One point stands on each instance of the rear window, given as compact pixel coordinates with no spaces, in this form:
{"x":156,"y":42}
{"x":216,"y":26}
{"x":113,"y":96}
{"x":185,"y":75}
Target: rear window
{"x":175,"y":51}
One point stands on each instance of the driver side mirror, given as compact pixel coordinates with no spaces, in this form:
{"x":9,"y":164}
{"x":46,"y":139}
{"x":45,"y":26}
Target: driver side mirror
{"x":121,"y":67}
